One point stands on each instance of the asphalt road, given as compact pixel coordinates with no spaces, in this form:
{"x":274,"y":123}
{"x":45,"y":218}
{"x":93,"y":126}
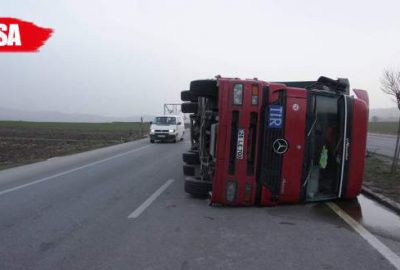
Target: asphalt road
{"x":381,"y":144}
{"x":72,"y":213}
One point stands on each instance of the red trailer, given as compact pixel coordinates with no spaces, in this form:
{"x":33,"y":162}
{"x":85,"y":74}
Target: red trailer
{"x":266,"y":143}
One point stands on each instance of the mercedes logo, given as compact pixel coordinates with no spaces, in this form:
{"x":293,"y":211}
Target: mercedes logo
{"x":280,"y":146}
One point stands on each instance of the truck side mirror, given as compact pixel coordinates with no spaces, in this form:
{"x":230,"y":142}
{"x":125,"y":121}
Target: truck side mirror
{"x":151,"y":122}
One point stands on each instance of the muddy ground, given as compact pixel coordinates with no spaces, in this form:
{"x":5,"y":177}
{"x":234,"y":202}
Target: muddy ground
{"x":27,"y":142}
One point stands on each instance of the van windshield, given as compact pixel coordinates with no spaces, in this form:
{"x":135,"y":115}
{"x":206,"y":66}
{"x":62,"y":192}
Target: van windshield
{"x":164,"y":121}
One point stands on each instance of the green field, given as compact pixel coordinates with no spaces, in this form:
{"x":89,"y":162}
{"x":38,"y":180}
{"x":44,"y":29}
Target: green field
{"x":383,"y":127}
{"x":25,"y":142}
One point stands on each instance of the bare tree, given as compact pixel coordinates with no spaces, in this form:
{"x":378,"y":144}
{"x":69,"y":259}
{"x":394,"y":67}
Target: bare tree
{"x":391,"y":85}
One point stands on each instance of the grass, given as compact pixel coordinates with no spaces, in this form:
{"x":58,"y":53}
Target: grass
{"x":26,"y":142}
{"x":378,"y":178}
{"x":383,"y":127}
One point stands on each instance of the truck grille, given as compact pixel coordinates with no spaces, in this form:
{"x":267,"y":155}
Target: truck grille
{"x":271,"y":162}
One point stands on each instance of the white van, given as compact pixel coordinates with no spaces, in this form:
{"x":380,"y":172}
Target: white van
{"x":167,"y":128}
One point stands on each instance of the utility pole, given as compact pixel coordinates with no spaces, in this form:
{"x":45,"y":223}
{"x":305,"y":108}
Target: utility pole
{"x":141,"y":127}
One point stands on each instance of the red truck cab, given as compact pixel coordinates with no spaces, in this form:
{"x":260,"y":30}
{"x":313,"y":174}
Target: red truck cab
{"x":270,"y":143}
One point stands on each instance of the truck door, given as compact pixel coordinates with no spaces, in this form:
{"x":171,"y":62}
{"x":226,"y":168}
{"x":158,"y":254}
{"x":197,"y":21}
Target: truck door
{"x":325,"y":139}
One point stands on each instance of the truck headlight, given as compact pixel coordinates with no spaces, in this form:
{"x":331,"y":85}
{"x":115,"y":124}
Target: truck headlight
{"x":254,"y":95}
{"x":231,"y":189}
{"x":238,"y":94}
{"x":152,"y":131}
{"x":171,"y":130}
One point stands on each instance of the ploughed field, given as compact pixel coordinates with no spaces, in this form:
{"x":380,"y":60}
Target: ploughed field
{"x":25,"y":142}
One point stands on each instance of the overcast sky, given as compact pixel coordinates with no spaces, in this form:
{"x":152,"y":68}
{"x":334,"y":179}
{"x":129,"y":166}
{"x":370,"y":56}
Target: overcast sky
{"x":123,"y":58}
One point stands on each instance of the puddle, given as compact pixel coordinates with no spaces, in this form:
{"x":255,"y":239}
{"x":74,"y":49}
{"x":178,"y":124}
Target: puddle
{"x":376,"y":218}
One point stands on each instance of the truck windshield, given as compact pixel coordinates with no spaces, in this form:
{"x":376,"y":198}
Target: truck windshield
{"x":164,"y":121}
{"x":325,"y":147}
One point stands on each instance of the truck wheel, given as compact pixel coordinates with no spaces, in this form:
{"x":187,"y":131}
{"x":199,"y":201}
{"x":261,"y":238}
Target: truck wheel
{"x":151,"y":141}
{"x":191,"y":158}
{"x":197,"y":188}
{"x":189,"y":170}
{"x":188,"y":96}
{"x":189,"y":107}
{"x":204,"y":88}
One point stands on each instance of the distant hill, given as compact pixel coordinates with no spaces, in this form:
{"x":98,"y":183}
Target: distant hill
{"x":7,"y":114}
{"x":385,"y":114}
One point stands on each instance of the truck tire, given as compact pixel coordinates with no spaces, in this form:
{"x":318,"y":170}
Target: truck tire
{"x":191,"y":158}
{"x":189,"y":107}
{"x":197,"y":188}
{"x":204,"y":88}
{"x":189,"y":170}
{"x":151,"y":141}
{"x":188,"y":96}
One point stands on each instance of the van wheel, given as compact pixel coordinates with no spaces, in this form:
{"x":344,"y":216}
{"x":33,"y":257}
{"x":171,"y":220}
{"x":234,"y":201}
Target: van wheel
{"x":197,"y":188}
{"x":204,"y":88}
{"x":191,"y":158}
{"x":188,"y":96}
{"x":189,"y":107}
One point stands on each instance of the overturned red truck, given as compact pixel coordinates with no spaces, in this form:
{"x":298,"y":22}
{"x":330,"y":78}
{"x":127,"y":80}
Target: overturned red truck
{"x":265,"y":143}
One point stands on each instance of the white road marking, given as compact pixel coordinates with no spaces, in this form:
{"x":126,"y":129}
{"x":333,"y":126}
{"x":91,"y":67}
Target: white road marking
{"x":369,"y":237}
{"x":70,"y":171}
{"x":150,"y":199}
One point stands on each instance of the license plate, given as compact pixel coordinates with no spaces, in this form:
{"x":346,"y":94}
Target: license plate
{"x":161,"y":136}
{"x":240,"y":142}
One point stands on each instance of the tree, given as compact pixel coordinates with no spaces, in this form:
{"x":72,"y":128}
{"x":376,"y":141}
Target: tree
{"x":391,"y":85}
